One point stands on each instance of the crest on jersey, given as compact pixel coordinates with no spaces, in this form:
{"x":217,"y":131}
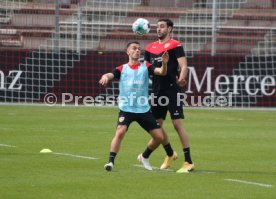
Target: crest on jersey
{"x":167,"y":45}
{"x":121,"y":119}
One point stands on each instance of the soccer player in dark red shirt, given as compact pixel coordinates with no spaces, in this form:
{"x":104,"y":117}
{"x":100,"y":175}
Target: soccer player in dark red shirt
{"x":169,"y":86}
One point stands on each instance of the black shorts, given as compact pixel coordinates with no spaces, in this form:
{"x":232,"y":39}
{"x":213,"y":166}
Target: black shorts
{"x":175,"y":108}
{"x":145,"y":120}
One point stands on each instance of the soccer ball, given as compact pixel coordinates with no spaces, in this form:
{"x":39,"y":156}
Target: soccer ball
{"x":141,"y":26}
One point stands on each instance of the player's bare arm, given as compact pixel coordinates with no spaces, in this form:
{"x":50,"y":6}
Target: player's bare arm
{"x":181,"y":80}
{"x":106,"y":78}
{"x":163,"y":69}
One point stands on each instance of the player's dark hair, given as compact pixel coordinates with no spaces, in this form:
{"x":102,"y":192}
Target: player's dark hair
{"x":132,"y":42}
{"x":168,"y":22}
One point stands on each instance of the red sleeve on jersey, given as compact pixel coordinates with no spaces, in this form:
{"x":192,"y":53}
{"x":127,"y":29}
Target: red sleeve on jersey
{"x":157,"y":48}
{"x":148,"y":64}
{"x":173,"y":44}
{"x":120,"y":68}
{"x":148,"y":48}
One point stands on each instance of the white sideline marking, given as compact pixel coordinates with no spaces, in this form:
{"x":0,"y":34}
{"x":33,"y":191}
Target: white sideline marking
{"x":249,"y":182}
{"x":207,"y":172}
{"x":155,"y":168}
{"x":76,"y":156}
{"x":64,"y":154}
{"x":6,"y":145}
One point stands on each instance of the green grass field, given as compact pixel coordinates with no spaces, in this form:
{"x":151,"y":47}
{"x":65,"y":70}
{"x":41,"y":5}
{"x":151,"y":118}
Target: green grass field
{"x":234,"y":153}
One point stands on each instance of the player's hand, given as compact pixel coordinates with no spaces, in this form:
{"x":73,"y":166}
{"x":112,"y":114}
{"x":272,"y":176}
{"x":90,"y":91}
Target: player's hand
{"x":104,"y":80}
{"x":180,"y":81}
{"x":165,"y":57}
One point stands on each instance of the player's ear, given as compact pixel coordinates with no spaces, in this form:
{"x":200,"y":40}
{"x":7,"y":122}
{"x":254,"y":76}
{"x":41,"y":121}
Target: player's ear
{"x":170,"y":29}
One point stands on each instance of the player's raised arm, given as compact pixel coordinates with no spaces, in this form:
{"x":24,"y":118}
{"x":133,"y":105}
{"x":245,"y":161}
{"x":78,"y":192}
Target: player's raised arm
{"x":106,"y":78}
{"x":163,"y":69}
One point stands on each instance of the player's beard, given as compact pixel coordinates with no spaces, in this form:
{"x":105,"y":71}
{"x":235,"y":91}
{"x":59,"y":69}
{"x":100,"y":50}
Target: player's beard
{"x":161,"y":36}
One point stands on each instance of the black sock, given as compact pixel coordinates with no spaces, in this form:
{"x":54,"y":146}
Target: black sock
{"x":147,"y":152}
{"x":168,"y":149}
{"x":187,"y":155}
{"x":112,"y":156}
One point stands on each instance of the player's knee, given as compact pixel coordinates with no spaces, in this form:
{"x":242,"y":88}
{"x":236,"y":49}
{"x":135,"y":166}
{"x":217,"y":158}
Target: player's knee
{"x":120,"y":132}
{"x":177,"y":125}
{"x":160,"y":136}
{"x":120,"y":135}
{"x":157,"y":135}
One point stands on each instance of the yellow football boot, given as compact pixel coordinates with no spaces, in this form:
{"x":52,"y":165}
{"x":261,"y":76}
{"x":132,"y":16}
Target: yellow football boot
{"x":168,"y":161}
{"x":186,"y":168}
